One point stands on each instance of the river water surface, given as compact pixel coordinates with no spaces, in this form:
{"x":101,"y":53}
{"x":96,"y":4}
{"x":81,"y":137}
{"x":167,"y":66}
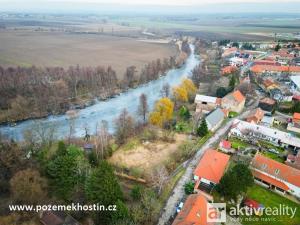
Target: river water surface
{"x":106,"y":110}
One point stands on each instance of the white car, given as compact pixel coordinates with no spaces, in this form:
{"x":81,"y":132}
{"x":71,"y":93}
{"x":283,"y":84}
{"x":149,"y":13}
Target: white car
{"x":179,"y":207}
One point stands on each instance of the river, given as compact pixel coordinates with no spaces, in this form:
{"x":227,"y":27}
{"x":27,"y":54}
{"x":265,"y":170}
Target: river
{"x":105,"y":110}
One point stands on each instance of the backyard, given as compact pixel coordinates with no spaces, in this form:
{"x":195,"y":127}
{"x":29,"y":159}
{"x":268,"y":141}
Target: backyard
{"x":271,"y":199}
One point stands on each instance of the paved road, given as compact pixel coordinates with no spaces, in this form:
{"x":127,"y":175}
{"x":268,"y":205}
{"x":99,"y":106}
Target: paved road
{"x":178,"y":191}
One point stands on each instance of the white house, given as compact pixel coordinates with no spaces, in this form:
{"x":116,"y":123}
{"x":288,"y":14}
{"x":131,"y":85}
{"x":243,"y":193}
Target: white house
{"x":247,"y":130}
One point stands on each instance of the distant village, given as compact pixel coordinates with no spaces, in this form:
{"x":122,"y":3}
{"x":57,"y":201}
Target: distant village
{"x":264,"y":136}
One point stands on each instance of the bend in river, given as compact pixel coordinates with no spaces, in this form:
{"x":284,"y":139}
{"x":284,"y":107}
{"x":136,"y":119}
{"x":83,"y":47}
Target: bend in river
{"x":105,"y":110}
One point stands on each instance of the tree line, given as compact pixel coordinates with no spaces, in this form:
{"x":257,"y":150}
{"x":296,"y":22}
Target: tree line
{"x":37,"y":92}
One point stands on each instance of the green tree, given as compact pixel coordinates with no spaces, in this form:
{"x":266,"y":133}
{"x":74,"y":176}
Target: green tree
{"x":232,"y":83}
{"x":240,"y":174}
{"x":235,"y":44}
{"x":202,"y":129}
{"x":189,"y":188}
{"x":61,"y":149}
{"x":184,"y":113}
{"x":277,"y":47}
{"x":102,"y":187}
{"x":296,"y":107}
{"x":67,"y":171}
{"x":221,"y":92}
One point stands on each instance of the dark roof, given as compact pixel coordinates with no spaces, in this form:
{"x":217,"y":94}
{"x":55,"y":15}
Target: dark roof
{"x":57,"y":218}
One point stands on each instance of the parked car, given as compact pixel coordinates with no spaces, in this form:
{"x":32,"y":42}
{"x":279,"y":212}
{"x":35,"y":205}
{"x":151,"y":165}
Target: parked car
{"x":179,"y":207}
{"x":273,"y":151}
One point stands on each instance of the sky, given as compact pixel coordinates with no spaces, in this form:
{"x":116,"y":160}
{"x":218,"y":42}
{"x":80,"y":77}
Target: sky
{"x":203,"y":5}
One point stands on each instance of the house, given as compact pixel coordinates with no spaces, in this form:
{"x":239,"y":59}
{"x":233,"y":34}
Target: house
{"x":274,"y":69}
{"x":250,"y":131}
{"x":229,"y":52}
{"x":209,"y":171}
{"x":294,"y":126}
{"x":293,"y":160}
{"x":275,"y":175}
{"x":256,"y":116}
{"x":228,"y":70}
{"x":267,"y":104}
{"x":295,"y":84}
{"x":225,"y":146}
{"x":267,"y":121}
{"x":266,"y":62}
{"x":215,"y":119}
{"x":269,"y":84}
{"x":234,"y":101}
{"x":194,"y":211}
{"x":205,"y":104}
{"x":57,"y":218}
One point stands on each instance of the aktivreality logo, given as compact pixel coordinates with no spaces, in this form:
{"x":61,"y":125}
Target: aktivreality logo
{"x":216,"y":212}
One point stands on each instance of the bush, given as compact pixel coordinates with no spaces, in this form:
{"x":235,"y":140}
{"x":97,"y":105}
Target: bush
{"x":189,"y":187}
{"x":136,"y":192}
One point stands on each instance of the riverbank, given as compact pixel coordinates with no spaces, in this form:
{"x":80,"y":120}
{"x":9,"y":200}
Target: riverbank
{"x":105,"y":110}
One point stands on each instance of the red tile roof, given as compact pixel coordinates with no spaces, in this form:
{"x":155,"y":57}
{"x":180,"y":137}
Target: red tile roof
{"x":276,"y":169}
{"x":266,"y":62}
{"x":256,"y":116}
{"x":193,"y":212}
{"x":225,"y":144}
{"x":238,"y":96}
{"x":263,"y":68}
{"x":212,"y":165}
{"x":296,"y":118}
{"x":228,"y":70}
{"x":270,"y":180}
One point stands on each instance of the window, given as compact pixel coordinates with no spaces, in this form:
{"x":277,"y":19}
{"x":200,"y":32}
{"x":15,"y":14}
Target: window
{"x":277,"y":171}
{"x":264,"y":166}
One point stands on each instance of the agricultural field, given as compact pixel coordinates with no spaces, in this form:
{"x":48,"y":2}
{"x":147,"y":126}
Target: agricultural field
{"x":26,"y":48}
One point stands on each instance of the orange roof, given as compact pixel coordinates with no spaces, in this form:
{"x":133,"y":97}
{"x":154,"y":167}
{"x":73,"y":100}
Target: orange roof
{"x":193,"y":212}
{"x":296,"y":117}
{"x":256,"y":116}
{"x":268,"y":101}
{"x":268,"y":83}
{"x":212,"y":165}
{"x":228,"y":69}
{"x":263,"y":68}
{"x":270,"y":180}
{"x":238,"y":96}
{"x":276,"y":169}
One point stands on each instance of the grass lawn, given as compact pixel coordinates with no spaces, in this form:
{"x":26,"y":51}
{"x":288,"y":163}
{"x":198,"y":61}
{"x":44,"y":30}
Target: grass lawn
{"x":271,"y":199}
{"x":169,"y":187}
{"x":269,"y":146}
{"x":232,"y":114}
{"x":236,"y":143}
{"x":273,"y":156}
{"x":204,"y":139}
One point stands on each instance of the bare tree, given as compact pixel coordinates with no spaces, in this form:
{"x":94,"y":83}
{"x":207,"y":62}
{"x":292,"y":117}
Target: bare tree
{"x":143,"y":107}
{"x":159,"y":178}
{"x":41,"y":133}
{"x":72,"y":116}
{"x":124,"y":127}
{"x":102,"y":139}
{"x":165,"y":91}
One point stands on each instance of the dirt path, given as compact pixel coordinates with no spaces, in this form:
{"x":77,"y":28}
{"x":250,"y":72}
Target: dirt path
{"x":178,"y":191}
